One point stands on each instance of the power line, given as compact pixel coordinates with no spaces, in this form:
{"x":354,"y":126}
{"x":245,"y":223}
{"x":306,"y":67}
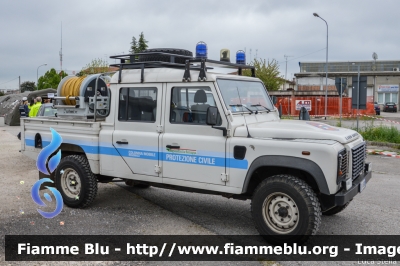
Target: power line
{"x":302,"y":56}
{"x":9,"y":81}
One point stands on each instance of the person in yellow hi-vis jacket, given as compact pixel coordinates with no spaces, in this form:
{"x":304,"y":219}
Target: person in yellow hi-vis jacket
{"x":35,"y":108}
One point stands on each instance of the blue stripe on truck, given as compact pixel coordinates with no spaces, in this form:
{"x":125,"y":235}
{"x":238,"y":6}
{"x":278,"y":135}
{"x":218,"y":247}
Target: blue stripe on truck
{"x":154,"y":155}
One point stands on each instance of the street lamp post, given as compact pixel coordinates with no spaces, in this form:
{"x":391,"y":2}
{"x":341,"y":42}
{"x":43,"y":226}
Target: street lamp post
{"x":358,"y":91}
{"x":326,"y":66}
{"x":37,"y":76}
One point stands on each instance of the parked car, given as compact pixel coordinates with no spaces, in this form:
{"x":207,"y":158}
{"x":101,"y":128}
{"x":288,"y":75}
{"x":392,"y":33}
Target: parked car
{"x":47,"y":109}
{"x":377,"y":108}
{"x":390,"y":107}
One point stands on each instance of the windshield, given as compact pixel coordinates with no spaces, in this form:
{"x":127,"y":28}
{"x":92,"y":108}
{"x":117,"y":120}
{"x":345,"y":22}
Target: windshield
{"x":240,"y":96}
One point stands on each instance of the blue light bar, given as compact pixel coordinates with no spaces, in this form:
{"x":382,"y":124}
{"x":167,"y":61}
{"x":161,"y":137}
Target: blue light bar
{"x":201,"y":50}
{"x":240,"y":57}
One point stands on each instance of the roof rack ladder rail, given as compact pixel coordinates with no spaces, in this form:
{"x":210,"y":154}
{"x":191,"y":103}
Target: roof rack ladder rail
{"x":186,"y":75}
{"x":202,"y":75}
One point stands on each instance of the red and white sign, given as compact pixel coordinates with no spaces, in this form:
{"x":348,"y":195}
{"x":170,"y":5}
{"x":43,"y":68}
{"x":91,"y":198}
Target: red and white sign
{"x":303,"y":103}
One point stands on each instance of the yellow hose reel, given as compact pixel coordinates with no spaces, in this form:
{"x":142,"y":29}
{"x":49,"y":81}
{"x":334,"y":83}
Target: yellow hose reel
{"x":71,"y":88}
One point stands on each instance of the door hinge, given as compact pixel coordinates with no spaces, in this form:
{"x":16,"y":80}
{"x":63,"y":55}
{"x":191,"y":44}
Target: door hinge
{"x":157,"y":169}
{"x":160,"y":129}
{"x":224,"y":177}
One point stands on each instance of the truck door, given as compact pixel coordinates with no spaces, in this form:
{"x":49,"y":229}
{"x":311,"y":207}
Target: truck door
{"x":191,"y":149}
{"x":137,"y":127}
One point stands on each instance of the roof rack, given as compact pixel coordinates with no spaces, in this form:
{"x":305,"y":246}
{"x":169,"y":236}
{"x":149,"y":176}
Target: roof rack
{"x":130,"y":61}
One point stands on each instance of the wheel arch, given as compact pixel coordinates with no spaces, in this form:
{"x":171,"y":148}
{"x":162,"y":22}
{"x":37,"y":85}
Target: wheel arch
{"x":270,"y":165}
{"x":74,"y":149}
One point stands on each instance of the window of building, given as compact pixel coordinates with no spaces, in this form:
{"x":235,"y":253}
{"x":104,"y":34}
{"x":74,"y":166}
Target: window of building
{"x":190,"y":104}
{"x":387,"y":97}
{"x":137,"y":104}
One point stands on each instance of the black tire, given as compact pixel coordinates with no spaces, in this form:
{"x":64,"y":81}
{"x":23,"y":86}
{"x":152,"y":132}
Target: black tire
{"x":76,"y":168}
{"x":294,"y":203}
{"x":335,"y":210}
{"x":131,"y":183}
{"x":164,"y":58}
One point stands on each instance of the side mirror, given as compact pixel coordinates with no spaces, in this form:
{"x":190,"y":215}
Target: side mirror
{"x":212,"y":114}
{"x":213,"y":118}
{"x":274,"y":99}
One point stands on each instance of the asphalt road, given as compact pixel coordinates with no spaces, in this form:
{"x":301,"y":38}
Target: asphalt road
{"x":119,"y":209}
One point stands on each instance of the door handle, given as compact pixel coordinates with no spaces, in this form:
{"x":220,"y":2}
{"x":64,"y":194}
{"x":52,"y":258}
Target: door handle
{"x":122,"y":142}
{"x":173,"y":147}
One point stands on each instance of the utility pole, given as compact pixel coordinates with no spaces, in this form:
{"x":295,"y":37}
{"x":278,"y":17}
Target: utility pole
{"x":61,"y":55}
{"x":374,"y":56}
{"x":286,"y":57}
{"x":19,"y":83}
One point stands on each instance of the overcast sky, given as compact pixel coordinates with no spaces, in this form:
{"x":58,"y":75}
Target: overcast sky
{"x":31,"y":31}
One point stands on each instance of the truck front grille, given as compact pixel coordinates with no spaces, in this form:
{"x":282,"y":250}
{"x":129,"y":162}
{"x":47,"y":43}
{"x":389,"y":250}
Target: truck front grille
{"x":358,"y":159}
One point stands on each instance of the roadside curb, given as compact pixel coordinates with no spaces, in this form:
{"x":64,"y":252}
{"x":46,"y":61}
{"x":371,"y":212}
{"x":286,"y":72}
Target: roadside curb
{"x":395,"y":146}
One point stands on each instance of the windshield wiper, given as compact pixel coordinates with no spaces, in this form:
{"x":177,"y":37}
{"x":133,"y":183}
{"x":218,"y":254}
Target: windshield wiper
{"x":241,"y":105}
{"x":261,"y":106}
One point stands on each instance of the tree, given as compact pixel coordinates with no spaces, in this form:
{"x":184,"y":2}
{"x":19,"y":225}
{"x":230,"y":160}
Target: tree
{"x":2,"y":93}
{"x":96,"y":66}
{"x":134,"y":46}
{"x":142,"y":44}
{"x":28,"y":86}
{"x":268,"y":72}
{"x":50,"y":79}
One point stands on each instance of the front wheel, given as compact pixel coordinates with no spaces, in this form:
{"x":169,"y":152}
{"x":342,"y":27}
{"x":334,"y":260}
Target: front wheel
{"x":75,"y":181}
{"x":285,"y":209}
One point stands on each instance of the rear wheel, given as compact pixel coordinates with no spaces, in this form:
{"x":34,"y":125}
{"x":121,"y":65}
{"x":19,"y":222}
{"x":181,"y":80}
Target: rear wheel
{"x":285,"y":209}
{"x":75,"y":181}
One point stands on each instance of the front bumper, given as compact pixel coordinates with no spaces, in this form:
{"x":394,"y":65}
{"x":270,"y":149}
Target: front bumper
{"x":344,"y":196}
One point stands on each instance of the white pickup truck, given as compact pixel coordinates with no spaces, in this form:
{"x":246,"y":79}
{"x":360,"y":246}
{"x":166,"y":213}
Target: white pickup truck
{"x":172,"y":121}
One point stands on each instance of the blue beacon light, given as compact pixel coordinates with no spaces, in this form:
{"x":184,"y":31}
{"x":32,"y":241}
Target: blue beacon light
{"x":240,"y":57}
{"x":201,"y":50}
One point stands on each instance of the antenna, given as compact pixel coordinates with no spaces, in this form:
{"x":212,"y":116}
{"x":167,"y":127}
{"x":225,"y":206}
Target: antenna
{"x":250,"y":54}
{"x":256,"y":53}
{"x":61,"y":55}
{"x":286,"y":57}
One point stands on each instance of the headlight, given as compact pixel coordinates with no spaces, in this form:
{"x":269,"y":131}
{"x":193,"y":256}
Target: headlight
{"x":342,"y":166}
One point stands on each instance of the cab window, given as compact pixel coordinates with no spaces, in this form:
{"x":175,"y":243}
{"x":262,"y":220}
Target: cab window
{"x":189,"y":104}
{"x":137,"y":104}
